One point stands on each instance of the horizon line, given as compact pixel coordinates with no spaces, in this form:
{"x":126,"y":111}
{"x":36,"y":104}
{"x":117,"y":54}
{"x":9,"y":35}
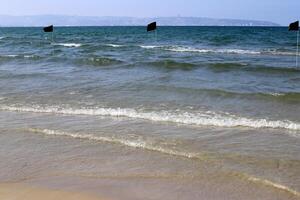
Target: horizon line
{"x":143,"y":17}
{"x":66,"y":26}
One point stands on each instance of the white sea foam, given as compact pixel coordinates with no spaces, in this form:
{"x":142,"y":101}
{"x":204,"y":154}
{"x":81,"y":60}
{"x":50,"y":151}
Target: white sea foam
{"x":15,"y":56}
{"x":238,"y":51}
{"x":138,"y":143}
{"x":199,"y":118}
{"x":225,"y":51}
{"x":68,"y":44}
{"x":29,"y":56}
{"x":188,"y":49}
{"x":276,"y":94}
{"x":229,"y":51}
{"x":114,"y":45}
{"x":272,"y":184}
{"x":150,"y":46}
{"x":279,"y":53}
{"x":9,"y":56}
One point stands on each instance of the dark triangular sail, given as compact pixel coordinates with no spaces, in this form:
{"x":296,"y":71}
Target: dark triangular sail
{"x":151,"y":27}
{"x":48,"y":29}
{"x":294,"y":26}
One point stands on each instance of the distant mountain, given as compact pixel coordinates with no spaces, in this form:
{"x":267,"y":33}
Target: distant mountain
{"x":60,"y":20}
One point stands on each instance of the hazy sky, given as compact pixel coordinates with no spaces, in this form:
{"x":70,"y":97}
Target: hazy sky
{"x":280,"y":11}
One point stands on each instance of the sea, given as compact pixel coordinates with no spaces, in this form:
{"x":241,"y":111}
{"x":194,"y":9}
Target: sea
{"x":179,"y":113}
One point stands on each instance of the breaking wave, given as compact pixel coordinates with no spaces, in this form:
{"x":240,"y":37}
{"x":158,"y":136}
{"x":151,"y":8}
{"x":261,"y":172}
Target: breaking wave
{"x":196,"y":50}
{"x":221,"y":66}
{"x":99,"y":61}
{"x":199,"y":118}
{"x":172,"y":64}
{"x":187,"y":49}
{"x":278,"y":96}
{"x":15,"y":56}
{"x":253,"y":68}
{"x":9,"y":56}
{"x":150,"y":46}
{"x":114,"y":45}
{"x":68,"y":44}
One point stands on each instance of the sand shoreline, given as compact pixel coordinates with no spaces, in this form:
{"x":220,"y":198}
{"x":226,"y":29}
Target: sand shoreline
{"x":17,"y":191}
{"x":38,"y":166}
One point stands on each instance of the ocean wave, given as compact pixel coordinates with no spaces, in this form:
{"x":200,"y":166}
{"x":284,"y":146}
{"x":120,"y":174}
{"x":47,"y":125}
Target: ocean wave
{"x":114,"y":45}
{"x":289,"y":96}
{"x":188,"y":49}
{"x":280,"y":96}
{"x":29,"y":56}
{"x":276,"y":94}
{"x":226,"y":65}
{"x":172,"y":64}
{"x":10,"y":56}
{"x":224,"y":51}
{"x":68,"y":44}
{"x":222,"y":66}
{"x":278,"y":52}
{"x":98,"y":61}
{"x":253,"y":68}
{"x":200,"y":118}
{"x":150,"y":46}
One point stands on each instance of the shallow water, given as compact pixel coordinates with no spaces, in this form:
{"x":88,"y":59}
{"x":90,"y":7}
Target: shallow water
{"x":197,"y":104}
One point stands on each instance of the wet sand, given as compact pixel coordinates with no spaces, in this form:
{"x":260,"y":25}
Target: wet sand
{"x":25,"y":192}
{"x":103,"y":158}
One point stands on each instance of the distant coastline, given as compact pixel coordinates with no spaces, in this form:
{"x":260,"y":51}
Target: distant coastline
{"x":63,"y":20}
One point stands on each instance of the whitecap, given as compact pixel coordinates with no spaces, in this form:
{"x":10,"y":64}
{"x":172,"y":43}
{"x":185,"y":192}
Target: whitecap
{"x":229,"y":51}
{"x":224,"y":51}
{"x":276,"y":94}
{"x":17,"y":56}
{"x":150,"y":46}
{"x":198,"y":118}
{"x":29,"y":56}
{"x":114,"y":45}
{"x":9,"y":56}
{"x":68,"y":44}
{"x":280,"y":53}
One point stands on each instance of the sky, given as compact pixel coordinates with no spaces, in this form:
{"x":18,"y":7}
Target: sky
{"x":279,"y":11}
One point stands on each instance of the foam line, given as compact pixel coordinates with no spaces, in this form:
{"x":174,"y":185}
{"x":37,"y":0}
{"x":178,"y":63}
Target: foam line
{"x":199,"y":118}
